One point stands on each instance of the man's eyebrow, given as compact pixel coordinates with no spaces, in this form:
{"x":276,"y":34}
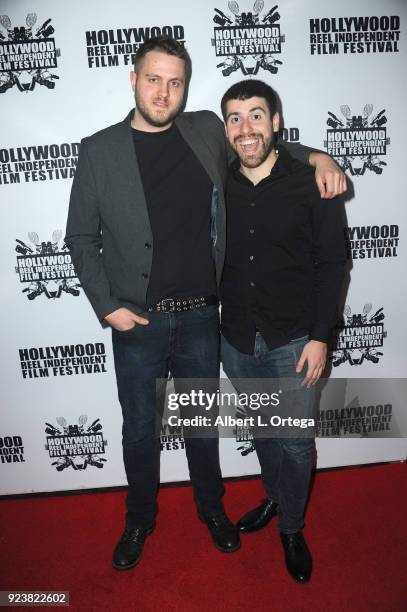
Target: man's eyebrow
{"x":251,"y":110}
{"x":157,"y":76}
{"x":257,"y":108}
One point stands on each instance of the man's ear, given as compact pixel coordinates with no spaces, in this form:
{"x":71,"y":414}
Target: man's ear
{"x":276,"y":122}
{"x":133,"y":79}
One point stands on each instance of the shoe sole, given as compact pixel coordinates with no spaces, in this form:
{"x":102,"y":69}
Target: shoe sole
{"x":227,"y":550}
{"x":297,"y":580}
{"x":252,"y":529}
{"x":122,"y":568}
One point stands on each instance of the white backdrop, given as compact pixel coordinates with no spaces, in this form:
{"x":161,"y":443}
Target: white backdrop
{"x":340,"y":72}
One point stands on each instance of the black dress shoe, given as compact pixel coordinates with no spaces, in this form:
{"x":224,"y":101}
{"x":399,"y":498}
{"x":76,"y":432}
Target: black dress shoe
{"x":297,"y":556}
{"x":224,"y":534}
{"x":128,"y":551}
{"x":258,"y":517}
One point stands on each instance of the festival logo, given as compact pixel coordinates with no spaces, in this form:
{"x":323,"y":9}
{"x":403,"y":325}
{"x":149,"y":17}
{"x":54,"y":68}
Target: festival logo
{"x":289,"y":134}
{"x":356,"y":419}
{"x":171,"y":438}
{"x":27,"y":58}
{"x":38,"y":163}
{"x":11,"y":449}
{"x":110,"y":48}
{"x":76,"y":446}
{"x":372,"y":241}
{"x":248,"y":41}
{"x":358,"y":142}
{"x":62,"y":360}
{"x":46,"y":267}
{"x":243,"y":435}
{"x":360,"y":338}
{"x":348,"y":35}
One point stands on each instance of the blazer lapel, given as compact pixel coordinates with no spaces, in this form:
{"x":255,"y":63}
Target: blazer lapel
{"x":196,"y":141}
{"x":128,"y":173}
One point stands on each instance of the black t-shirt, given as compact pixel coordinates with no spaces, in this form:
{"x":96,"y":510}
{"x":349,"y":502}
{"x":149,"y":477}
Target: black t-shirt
{"x":178,"y":193}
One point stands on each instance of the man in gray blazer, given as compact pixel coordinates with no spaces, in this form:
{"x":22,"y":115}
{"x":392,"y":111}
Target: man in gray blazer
{"x":146,"y":231}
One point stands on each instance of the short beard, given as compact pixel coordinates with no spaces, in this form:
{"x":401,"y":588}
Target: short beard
{"x":255,"y":162}
{"x":154,"y":121}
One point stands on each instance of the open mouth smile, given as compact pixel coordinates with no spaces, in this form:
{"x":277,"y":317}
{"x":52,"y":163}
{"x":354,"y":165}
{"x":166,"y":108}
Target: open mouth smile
{"x":249,"y":145}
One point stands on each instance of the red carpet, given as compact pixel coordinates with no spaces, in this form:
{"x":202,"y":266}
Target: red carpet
{"x":356,"y":529}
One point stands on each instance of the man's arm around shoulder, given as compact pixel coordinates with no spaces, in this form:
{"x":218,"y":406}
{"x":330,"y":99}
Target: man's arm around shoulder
{"x":330,"y":179}
{"x":330,"y":257}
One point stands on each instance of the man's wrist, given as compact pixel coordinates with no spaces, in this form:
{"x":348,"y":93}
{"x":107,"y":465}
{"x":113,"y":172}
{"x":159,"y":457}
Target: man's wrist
{"x":314,"y":156}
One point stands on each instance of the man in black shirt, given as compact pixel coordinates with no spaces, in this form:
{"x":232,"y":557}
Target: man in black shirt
{"x":146,"y":231}
{"x":283,"y":271}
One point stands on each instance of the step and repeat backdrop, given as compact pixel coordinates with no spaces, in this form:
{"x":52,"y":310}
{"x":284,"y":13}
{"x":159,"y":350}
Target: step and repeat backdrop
{"x":339,"y":69}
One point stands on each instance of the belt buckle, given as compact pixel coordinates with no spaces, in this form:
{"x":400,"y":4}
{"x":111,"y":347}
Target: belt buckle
{"x":171,"y":305}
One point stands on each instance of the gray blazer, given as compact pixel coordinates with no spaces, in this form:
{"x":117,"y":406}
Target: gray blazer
{"x":108,"y":231}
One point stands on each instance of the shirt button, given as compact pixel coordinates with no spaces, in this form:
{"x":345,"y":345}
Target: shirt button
{"x":251,"y":230}
{"x":251,"y":284}
{"x":144,"y":275}
{"x":252,"y":204}
{"x":147,"y":245}
{"x":251,"y":257}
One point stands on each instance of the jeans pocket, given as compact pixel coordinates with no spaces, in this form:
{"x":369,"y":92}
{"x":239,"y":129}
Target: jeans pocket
{"x":302,"y":339}
{"x":125,"y":332}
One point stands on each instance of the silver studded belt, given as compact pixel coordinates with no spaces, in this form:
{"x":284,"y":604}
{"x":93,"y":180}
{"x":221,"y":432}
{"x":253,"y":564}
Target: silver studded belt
{"x":182,"y":304}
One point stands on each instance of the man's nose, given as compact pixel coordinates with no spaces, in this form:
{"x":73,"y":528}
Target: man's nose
{"x":163,"y":89}
{"x":245,"y":126}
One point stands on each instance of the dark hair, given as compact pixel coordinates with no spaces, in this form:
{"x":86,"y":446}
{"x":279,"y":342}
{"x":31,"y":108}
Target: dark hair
{"x":248,"y":89}
{"x":165,"y":44}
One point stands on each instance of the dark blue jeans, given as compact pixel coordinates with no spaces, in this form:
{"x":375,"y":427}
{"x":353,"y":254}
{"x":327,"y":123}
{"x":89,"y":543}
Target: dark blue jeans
{"x":286,"y":463}
{"x":187,"y":345}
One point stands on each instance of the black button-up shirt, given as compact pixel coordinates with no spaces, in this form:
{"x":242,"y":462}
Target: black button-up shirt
{"x":285,"y":256}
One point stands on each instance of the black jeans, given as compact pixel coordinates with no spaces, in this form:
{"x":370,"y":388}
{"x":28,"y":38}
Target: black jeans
{"x":285,"y":462}
{"x":187,"y":345}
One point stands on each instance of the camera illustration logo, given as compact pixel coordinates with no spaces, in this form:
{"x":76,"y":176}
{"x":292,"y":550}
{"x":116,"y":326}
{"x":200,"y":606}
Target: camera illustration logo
{"x":247,"y":41}
{"x":357,"y":142}
{"x":26,"y":59}
{"x":243,"y":435}
{"x":76,"y":446}
{"x":359,"y":338}
{"x":46,"y":267}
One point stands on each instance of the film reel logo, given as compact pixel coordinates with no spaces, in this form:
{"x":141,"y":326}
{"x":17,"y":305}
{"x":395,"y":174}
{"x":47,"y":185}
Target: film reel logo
{"x":46,"y":266}
{"x":27,"y":59}
{"x":359,"y":338}
{"x":247,"y":41}
{"x":358,"y":142}
{"x":76,"y":446}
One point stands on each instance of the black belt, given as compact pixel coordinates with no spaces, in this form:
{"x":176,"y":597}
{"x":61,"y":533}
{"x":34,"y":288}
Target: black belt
{"x":181,"y":304}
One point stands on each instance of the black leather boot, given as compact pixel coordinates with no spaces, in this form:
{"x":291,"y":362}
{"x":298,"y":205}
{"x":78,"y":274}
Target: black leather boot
{"x":224,"y":534}
{"x":258,"y":517}
{"x":297,"y":556}
{"x":130,"y":547}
